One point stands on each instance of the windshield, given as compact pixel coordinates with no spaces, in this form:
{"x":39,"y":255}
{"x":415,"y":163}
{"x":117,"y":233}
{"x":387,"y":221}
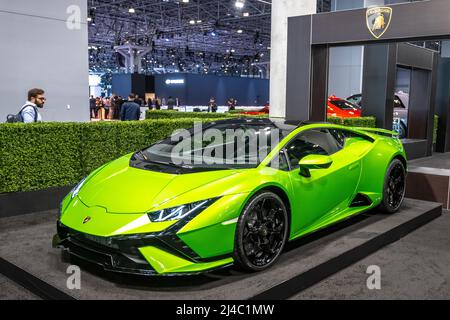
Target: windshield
{"x":216,"y":146}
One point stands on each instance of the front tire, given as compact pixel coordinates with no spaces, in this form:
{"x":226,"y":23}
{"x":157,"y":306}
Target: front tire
{"x":261,"y":232}
{"x":394,"y":187}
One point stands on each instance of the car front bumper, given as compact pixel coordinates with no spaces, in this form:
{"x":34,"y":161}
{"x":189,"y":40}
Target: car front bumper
{"x":156,"y":254}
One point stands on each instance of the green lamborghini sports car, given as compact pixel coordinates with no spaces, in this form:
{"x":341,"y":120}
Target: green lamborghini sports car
{"x":149,"y":213}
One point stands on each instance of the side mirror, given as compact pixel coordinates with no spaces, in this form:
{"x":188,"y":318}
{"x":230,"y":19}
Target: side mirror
{"x":313,"y":161}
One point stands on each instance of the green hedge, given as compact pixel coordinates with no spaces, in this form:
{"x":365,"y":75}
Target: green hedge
{"x":43,"y":155}
{"x":166,"y":114}
{"x":368,"y":122}
{"x":435,"y":129}
{"x":236,"y":111}
{"x":37,"y":156}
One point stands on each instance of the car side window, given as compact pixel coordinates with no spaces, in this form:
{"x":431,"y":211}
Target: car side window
{"x":279,"y":162}
{"x":316,"y":141}
{"x":341,"y":136}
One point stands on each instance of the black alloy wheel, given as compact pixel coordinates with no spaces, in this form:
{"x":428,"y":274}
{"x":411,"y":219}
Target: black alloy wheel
{"x":262,"y":232}
{"x":394,"y":187}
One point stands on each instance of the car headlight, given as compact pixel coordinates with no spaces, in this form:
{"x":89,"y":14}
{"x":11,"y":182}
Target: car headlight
{"x":180,"y":212}
{"x":77,"y":188}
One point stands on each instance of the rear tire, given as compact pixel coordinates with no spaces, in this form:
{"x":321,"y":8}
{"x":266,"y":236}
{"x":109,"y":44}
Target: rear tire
{"x":394,"y":187}
{"x":261,"y":232}
{"x":402,"y":130}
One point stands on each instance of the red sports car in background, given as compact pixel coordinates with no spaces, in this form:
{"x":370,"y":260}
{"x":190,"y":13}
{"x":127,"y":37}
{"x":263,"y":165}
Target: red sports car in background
{"x":336,"y":107}
{"x":263,"y":111}
{"x":341,"y":108}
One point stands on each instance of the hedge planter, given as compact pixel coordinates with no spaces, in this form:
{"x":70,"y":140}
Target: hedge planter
{"x":43,"y":155}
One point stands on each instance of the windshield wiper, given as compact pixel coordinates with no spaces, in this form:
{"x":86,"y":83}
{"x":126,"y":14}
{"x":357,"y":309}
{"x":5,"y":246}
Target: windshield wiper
{"x":169,"y":164}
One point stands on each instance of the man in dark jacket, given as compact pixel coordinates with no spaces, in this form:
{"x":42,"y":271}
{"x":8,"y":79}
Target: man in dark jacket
{"x":130,"y":110}
{"x":171,"y":103}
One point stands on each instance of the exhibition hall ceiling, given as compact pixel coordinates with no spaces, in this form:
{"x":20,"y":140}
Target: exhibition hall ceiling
{"x":202,"y":36}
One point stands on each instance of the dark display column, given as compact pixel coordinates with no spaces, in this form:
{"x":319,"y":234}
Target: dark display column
{"x":379,"y":74}
{"x":419,"y":104}
{"x":319,"y":81}
{"x":443,"y":105}
{"x":298,"y":83}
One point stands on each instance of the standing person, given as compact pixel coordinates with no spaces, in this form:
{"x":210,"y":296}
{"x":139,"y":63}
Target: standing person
{"x":107,"y":106}
{"x":130,"y":110}
{"x":150,"y":104}
{"x":99,"y":108}
{"x":120,"y":103}
{"x":212,"y":105}
{"x":157,"y":103}
{"x":170,"y":103}
{"x":231,"y":104}
{"x":30,"y":112}
{"x":92,"y":107}
{"x":112,"y":108}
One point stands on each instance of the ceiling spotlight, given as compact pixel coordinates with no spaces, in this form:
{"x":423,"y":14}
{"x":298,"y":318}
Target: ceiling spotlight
{"x":199,"y":21}
{"x":192,"y":22}
{"x":185,"y":1}
{"x":246,"y":14}
{"x":240,"y":31}
{"x":131,"y":10}
{"x":239,"y":4}
{"x":89,"y":19}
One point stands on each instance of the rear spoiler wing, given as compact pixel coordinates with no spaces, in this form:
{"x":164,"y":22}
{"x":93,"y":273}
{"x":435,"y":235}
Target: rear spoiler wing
{"x":380,"y":132}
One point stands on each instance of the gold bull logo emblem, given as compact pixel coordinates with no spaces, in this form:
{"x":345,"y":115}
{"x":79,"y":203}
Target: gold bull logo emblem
{"x":379,"y":23}
{"x":378,"y":20}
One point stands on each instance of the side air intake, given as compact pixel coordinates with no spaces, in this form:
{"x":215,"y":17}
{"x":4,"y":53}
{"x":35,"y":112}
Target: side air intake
{"x":361,"y":200}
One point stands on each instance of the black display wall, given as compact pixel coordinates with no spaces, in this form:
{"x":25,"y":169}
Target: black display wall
{"x":193,"y":89}
{"x":196,"y":90}
{"x":124,"y":84}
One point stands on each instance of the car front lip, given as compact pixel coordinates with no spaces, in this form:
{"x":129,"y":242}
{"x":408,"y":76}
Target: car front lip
{"x":121,"y":253}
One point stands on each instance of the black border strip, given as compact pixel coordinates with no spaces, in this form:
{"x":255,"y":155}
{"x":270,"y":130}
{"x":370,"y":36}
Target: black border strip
{"x":311,"y":277}
{"x":31,"y":283}
{"x":19,"y":203}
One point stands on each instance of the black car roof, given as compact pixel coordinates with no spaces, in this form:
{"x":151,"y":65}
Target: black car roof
{"x":286,"y":126}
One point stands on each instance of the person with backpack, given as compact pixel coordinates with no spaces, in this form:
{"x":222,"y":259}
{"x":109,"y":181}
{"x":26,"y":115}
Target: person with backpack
{"x":29,"y":112}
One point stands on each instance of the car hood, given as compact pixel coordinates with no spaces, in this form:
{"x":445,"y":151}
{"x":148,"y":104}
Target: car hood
{"x":120,"y":188}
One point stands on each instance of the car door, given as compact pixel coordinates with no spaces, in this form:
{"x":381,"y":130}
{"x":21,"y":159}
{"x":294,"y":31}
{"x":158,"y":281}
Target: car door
{"x":327,"y":192}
